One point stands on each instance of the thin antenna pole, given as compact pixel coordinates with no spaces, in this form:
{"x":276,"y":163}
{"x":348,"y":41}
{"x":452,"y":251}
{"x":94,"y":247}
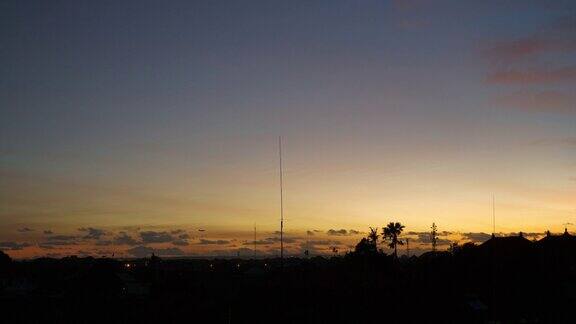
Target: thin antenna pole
{"x":493,"y":215}
{"x":281,"y":204}
{"x":254,"y":241}
{"x":307,"y":244}
{"x":408,"y":247}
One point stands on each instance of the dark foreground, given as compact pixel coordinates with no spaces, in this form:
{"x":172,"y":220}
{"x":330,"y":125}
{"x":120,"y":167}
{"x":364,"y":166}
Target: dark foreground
{"x":507,"y":280}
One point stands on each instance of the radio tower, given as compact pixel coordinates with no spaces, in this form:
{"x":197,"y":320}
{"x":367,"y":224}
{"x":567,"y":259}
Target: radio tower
{"x":493,"y":216}
{"x":281,"y":205}
{"x":254,"y":241}
{"x":408,"y":247}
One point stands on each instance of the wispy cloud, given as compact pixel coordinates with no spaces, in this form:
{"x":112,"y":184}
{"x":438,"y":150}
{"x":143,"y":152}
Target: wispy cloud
{"x":92,"y":233}
{"x":342,"y":232}
{"x":180,"y":242}
{"x":521,"y":59}
{"x":213,"y":242}
{"x":476,"y":237}
{"x":156,"y":237}
{"x":62,"y":238}
{"x":512,"y":76}
{"x":557,"y":36}
{"x":13,"y":245}
{"x":514,"y":50}
{"x":124,"y":239}
{"x":570,"y":141}
{"x":540,"y":101}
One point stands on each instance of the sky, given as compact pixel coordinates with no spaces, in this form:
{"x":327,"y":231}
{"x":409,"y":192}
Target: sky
{"x":152,"y":126}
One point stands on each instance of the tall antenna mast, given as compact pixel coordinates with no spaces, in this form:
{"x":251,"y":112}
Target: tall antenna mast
{"x":493,"y":216}
{"x":408,"y":247}
{"x":254,"y":241}
{"x":281,"y":204}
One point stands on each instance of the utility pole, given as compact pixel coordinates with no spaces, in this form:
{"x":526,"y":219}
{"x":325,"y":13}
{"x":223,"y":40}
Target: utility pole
{"x":433,"y":236}
{"x":281,"y":205}
{"x":408,"y":247}
{"x":493,"y":216}
{"x":307,"y":252}
{"x":254,"y":241}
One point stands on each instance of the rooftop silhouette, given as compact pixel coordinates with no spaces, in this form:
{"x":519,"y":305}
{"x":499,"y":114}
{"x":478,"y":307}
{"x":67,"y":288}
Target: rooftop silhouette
{"x":505,"y":279}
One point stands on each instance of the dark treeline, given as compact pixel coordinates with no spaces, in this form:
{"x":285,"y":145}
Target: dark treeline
{"x":503,"y":280}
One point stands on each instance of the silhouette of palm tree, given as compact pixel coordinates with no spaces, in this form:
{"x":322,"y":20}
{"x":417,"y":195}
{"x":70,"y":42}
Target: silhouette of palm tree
{"x":391,"y":233}
{"x":373,"y":237}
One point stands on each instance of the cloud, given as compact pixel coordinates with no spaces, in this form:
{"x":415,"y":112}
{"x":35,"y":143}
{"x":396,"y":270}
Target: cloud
{"x":48,"y":232}
{"x":542,"y":101}
{"x":83,"y":253}
{"x":272,"y":240}
{"x":425,"y":238}
{"x":156,"y":237}
{"x":323,"y":242}
{"x":513,"y":76}
{"x":140,"y":251}
{"x":58,"y":243}
{"x":319,"y":246}
{"x":13,"y":245}
{"x":62,"y":238}
{"x":555,"y":37}
{"x":512,"y":50}
{"x":124,"y":239}
{"x":104,"y":243}
{"x":285,"y":238}
{"x":92,"y":233}
{"x":180,"y":242}
{"x":259,"y":242}
{"x":570,"y":141}
{"x":340,"y":232}
{"x":428,"y":233}
{"x":213,"y":242}
{"x":530,"y":235}
{"x":169,"y":252}
{"x":25,"y":229}
{"x":476,"y":237}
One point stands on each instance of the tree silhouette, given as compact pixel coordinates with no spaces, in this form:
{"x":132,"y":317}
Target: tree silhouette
{"x":453,"y":248}
{"x":391,"y":233}
{"x":434,"y":236}
{"x":373,"y":237}
{"x":364,"y":247}
{"x":4,"y":259}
